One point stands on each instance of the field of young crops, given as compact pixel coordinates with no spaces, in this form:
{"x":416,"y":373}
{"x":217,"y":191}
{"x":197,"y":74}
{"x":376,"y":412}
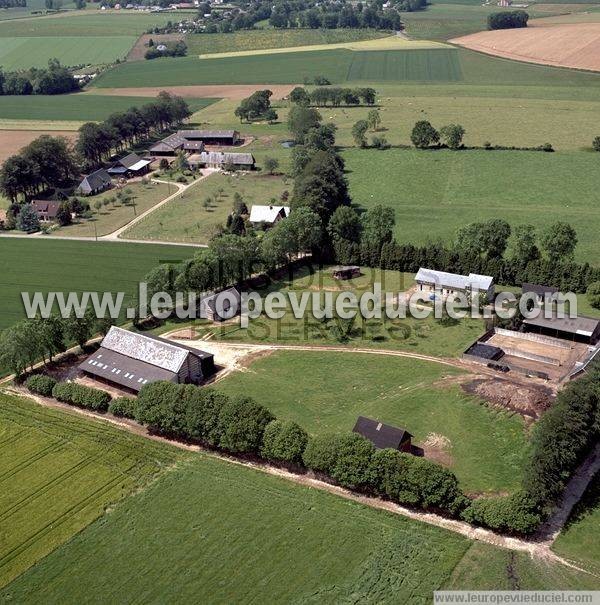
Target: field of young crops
{"x":59,"y":472}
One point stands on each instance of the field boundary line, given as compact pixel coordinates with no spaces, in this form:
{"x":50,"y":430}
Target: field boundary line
{"x":533,"y":547}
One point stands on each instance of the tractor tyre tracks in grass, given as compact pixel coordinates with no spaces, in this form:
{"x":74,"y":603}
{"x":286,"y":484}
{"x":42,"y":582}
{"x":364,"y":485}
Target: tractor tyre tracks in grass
{"x":539,"y":546}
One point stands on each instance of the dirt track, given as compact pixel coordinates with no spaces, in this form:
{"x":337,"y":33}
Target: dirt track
{"x":222,"y":91}
{"x":574,"y":45}
{"x":11,"y":141}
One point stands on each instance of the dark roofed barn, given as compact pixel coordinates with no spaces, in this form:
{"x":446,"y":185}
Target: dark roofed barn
{"x":345,"y":272}
{"x":46,"y":210}
{"x":383,"y":435}
{"x":540,"y":292}
{"x":131,"y":360}
{"x":130,"y":165}
{"x":221,"y":306}
{"x":212,"y":137}
{"x":95,"y":182}
{"x":580,"y":329}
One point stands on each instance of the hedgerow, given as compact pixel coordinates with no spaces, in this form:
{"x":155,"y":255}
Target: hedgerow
{"x":40,"y":384}
{"x":123,"y":406}
{"x":82,"y":396}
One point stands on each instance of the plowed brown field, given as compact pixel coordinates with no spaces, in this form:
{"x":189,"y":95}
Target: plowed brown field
{"x":11,"y":141}
{"x":574,"y":45}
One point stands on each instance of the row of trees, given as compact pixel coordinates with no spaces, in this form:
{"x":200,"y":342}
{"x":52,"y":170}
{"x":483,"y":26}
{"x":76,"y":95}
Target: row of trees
{"x":239,"y":425}
{"x":511,"y":256}
{"x":257,"y":107}
{"x":29,"y":340}
{"x":334,"y":15}
{"x":97,"y":141}
{"x":335,"y":96}
{"x":53,"y":80}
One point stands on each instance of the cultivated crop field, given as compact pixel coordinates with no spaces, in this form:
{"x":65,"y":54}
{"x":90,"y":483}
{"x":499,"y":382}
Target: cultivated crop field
{"x":77,"y":107}
{"x":59,"y":472}
{"x":22,"y":52}
{"x":199,"y":44}
{"x":466,"y":186}
{"x":42,"y":264}
{"x":13,"y":140}
{"x":236,"y":528}
{"x":483,"y":446}
{"x":185,"y":219}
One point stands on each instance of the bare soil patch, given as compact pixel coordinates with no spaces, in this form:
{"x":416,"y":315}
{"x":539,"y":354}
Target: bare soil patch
{"x":11,"y":141}
{"x":436,"y":448}
{"x":222,"y":91}
{"x":568,"y":45}
{"x":529,"y":401}
{"x":141,"y":46}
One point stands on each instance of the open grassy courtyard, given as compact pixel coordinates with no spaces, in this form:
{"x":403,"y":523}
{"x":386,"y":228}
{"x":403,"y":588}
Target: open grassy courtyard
{"x":436,"y":192}
{"x":40,"y":264}
{"x":59,"y":472}
{"x":485,"y":447}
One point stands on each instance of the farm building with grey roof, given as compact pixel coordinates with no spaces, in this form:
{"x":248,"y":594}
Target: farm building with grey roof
{"x":429,"y":280}
{"x":95,"y":182}
{"x":132,"y":360}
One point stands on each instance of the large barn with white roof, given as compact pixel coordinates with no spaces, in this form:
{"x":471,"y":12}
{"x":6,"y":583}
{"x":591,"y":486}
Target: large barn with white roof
{"x":131,"y":360}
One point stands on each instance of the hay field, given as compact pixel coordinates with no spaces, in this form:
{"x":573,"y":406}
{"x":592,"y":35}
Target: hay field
{"x":573,"y":45}
{"x":11,"y":141}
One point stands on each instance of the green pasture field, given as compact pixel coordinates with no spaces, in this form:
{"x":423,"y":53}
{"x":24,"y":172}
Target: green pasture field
{"x":580,"y":539}
{"x":115,"y":215}
{"x":59,"y":472}
{"x":44,"y":265}
{"x":446,"y":20}
{"x":436,"y":192}
{"x":199,"y":44}
{"x":400,"y":391}
{"x":78,"y":107}
{"x":425,"y":336}
{"x":230,"y":531}
{"x":184,"y":219}
{"x":23,"y":53}
{"x":431,"y":66}
{"x":85,"y":23}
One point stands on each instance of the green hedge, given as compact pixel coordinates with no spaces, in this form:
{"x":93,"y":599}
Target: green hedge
{"x":123,"y":406}
{"x":284,"y":442}
{"x":40,"y":384}
{"x":82,"y":396}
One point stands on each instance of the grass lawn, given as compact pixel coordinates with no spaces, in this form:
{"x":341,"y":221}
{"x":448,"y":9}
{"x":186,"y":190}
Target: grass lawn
{"x":199,"y":44}
{"x":75,"y":107}
{"x":59,"y":472}
{"x":114,"y":215}
{"x":580,"y":540}
{"x":185,"y":219}
{"x":40,"y":264}
{"x":22,"y":52}
{"x":486,"y":448}
{"x":214,"y":532}
{"x":462,"y":187}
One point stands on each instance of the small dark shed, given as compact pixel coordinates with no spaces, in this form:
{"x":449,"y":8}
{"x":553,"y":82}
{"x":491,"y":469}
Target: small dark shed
{"x":346,"y":272}
{"x":383,"y":435}
{"x":484,"y":351}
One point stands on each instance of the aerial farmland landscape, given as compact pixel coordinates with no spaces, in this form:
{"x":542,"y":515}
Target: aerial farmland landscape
{"x":300,"y":301}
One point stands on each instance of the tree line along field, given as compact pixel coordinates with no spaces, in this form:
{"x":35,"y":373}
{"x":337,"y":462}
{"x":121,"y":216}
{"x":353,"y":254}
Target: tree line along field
{"x":199,"y":44}
{"x":485,"y":447}
{"x":44,"y":265}
{"x":77,"y":107}
{"x":436,"y":192}
{"x":59,"y":472}
{"x":229,"y":531}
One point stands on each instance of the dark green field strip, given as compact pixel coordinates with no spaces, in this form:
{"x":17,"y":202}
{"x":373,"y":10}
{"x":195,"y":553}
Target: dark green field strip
{"x":76,"y":107}
{"x":439,"y":65}
{"x":231,"y":531}
{"x":42,"y":265}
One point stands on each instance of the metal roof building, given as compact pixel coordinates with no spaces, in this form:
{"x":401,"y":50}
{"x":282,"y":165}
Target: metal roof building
{"x":451,"y":282}
{"x":268,"y":214}
{"x":131,"y":360}
{"x":383,"y":436}
{"x":582,"y":329}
